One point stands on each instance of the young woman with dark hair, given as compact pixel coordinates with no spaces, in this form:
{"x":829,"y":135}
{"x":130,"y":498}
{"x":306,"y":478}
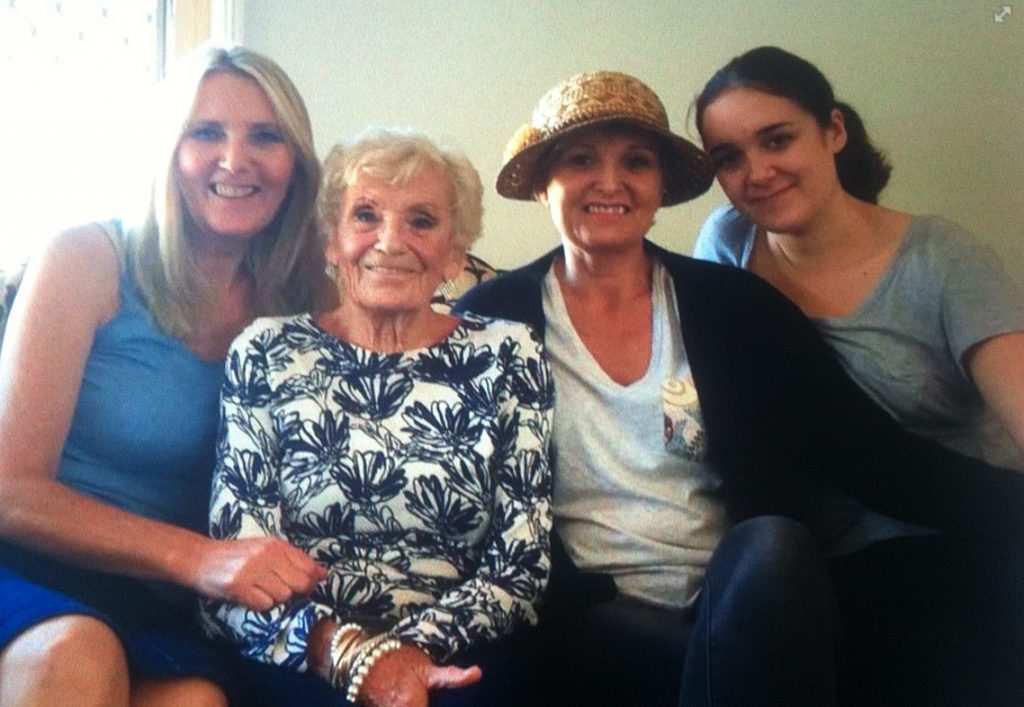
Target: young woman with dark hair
{"x":925,"y":320}
{"x":921,"y":314}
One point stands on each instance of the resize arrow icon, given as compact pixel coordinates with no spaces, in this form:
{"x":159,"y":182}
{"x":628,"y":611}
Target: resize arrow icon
{"x":1004,"y":12}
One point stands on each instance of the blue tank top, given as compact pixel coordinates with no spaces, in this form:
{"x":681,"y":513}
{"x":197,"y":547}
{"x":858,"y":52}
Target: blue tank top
{"x":145,"y":425}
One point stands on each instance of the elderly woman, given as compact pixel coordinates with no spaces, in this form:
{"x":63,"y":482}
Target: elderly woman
{"x":691,"y":401}
{"x":112,"y":363}
{"x":403,"y":449}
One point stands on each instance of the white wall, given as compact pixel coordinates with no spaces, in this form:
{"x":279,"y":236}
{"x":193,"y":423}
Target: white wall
{"x":939,"y":84}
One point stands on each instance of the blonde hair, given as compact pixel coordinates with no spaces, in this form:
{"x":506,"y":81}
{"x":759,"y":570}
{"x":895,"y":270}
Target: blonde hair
{"x":285,"y":262}
{"x":396,"y":155}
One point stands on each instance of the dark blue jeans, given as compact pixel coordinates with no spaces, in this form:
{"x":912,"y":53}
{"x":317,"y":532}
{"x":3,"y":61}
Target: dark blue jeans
{"x":761,"y":633}
{"x":930,"y":621}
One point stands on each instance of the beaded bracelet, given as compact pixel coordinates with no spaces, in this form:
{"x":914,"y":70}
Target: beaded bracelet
{"x":360,"y":653}
{"x":340,"y":652}
{"x":369,"y":653}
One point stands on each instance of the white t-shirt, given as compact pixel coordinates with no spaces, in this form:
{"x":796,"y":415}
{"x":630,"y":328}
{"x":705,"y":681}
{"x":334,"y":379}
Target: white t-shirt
{"x":633,"y":495}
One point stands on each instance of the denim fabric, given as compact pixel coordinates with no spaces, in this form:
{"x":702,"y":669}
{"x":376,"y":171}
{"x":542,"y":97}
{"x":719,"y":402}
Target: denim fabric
{"x":761,"y":633}
{"x":930,"y":621}
{"x":764,"y":631}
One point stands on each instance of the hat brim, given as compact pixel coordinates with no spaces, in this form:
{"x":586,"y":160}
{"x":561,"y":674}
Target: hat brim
{"x":687,"y":170}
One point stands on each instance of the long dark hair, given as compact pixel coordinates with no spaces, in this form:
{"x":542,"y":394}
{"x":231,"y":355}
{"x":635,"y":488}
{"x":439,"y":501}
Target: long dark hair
{"x":863,"y":170}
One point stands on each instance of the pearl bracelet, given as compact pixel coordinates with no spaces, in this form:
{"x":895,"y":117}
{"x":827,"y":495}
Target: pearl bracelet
{"x":340,"y":652}
{"x":369,"y":653}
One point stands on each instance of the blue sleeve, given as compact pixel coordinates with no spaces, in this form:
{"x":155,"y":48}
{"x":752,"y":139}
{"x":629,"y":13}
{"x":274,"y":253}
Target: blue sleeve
{"x":726,"y":237}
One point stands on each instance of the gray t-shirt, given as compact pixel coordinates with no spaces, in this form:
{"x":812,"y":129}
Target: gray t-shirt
{"x":943,"y":293}
{"x":633,"y":496}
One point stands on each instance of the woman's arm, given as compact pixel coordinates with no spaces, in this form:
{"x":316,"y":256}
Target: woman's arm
{"x":515,"y":559}
{"x":997,"y":366}
{"x":982,"y":317}
{"x":246,"y":507}
{"x":400,"y":678}
{"x":69,"y":291}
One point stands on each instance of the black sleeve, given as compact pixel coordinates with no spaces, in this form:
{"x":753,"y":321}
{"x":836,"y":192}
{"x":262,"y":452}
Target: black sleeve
{"x":783,"y":416}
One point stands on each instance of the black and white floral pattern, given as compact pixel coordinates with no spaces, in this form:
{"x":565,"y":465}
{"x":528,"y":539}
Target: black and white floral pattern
{"x":420,"y":480}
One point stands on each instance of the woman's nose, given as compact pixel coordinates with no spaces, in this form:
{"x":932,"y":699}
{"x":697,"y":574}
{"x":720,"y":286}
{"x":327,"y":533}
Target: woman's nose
{"x":759,"y":167}
{"x":389,"y":236}
{"x":234,"y":155}
{"x":609,"y":176}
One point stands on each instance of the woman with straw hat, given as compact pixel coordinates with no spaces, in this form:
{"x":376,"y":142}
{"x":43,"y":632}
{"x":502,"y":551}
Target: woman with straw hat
{"x":697,"y":415}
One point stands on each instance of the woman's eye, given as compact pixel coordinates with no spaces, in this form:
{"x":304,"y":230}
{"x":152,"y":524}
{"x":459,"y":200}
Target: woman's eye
{"x":422,"y":222}
{"x":205,"y":133}
{"x":578,"y":159}
{"x":640,"y":162}
{"x":779,"y":141}
{"x":267,"y":136}
{"x":364,"y":216}
{"x":725,"y":159}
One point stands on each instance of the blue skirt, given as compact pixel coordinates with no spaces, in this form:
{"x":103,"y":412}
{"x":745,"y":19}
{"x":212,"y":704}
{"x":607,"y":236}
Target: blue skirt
{"x":158,"y":629}
{"x":157,"y":625}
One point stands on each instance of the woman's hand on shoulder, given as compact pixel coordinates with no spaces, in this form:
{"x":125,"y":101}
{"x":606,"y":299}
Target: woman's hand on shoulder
{"x":259,"y":573}
{"x":404,"y":678}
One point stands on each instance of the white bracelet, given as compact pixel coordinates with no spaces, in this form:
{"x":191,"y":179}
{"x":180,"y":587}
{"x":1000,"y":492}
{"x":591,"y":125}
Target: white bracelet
{"x":369,"y":653}
{"x":342,"y":642}
{"x":354,"y":673}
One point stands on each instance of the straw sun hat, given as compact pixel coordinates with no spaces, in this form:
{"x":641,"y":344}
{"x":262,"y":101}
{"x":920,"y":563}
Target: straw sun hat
{"x":590,"y":99}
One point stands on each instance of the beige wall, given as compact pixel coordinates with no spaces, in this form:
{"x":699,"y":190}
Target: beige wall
{"x":939,"y":84}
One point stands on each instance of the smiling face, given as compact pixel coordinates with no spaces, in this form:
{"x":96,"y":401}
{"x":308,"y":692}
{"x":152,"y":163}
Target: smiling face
{"x":395,"y":243}
{"x":233,"y":162}
{"x":773,"y":160}
{"x":604,"y":188}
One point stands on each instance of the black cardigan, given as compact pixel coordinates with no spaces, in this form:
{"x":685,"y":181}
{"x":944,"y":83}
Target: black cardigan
{"x":781,"y":415}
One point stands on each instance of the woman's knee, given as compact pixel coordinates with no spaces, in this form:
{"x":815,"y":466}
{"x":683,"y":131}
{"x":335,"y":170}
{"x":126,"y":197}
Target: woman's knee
{"x":770,"y":554}
{"x":67,"y":655}
{"x":765,"y":626}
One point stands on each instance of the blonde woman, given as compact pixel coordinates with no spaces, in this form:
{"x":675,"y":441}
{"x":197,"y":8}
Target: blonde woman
{"x":111,"y":367}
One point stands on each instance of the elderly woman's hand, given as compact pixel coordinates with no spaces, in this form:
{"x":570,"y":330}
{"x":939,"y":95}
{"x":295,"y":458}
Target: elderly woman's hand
{"x":256,"y":572}
{"x":403,"y":678}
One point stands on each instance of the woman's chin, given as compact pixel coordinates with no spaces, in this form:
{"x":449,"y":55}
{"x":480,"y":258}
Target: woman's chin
{"x":606,"y":242}
{"x":380,"y":305}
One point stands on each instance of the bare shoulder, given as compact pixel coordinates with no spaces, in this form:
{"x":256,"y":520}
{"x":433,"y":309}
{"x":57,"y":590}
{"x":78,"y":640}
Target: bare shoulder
{"x":75,"y":270}
{"x":70,"y":289}
{"x":85,"y":246}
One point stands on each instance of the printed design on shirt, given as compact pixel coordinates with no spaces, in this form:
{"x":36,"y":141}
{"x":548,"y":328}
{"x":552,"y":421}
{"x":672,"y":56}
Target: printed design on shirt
{"x":684,"y":425}
{"x":420,"y":481}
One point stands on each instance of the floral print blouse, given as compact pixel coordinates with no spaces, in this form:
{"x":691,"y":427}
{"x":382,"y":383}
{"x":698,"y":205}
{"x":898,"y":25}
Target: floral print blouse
{"x":420,"y":480}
